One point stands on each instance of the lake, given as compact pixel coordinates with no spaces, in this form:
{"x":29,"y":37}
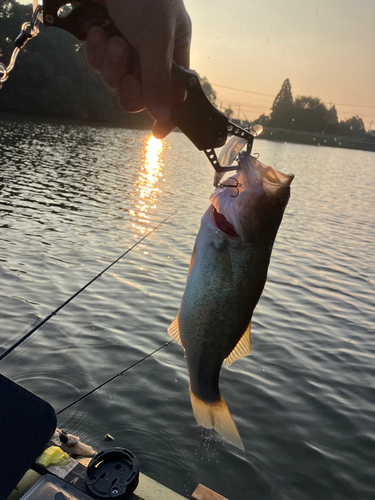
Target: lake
{"x":74,"y":198}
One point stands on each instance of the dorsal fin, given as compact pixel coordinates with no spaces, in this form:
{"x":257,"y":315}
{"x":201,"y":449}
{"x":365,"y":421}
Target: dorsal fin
{"x":243,"y":348}
{"x":174,"y":331}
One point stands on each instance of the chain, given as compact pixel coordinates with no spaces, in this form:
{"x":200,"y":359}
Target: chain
{"x":28,"y":30}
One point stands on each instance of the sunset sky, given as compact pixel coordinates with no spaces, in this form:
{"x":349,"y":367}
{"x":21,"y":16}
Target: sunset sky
{"x":325,"y":47}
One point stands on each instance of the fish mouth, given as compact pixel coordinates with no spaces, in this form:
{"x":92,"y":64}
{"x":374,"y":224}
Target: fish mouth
{"x":223,"y":224}
{"x":252,"y":190}
{"x":255,"y":172}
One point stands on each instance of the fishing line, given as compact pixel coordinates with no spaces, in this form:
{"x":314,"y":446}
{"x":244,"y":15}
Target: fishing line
{"x":115,"y":376}
{"x":53,"y":313}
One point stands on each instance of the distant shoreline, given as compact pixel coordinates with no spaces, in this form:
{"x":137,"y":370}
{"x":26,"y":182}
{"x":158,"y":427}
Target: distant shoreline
{"x":315,"y":139}
{"x":15,"y":117}
{"x":271,"y":134}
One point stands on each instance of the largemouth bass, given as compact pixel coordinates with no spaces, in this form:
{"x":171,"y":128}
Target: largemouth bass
{"x":226,"y":277}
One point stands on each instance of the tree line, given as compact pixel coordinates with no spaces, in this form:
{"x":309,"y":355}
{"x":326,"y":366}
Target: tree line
{"x":51,"y":77}
{"x":308,"y":114}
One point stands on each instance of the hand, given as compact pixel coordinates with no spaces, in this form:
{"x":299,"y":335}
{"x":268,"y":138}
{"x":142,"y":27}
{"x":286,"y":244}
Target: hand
{"x":138,"y":65}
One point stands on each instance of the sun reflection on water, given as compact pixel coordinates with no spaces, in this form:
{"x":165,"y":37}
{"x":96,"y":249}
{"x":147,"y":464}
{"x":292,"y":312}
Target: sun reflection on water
{"x":146,"y":185}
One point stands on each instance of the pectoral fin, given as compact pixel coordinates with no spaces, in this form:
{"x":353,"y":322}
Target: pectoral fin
{"x":243,"y":348}
{"x":192,"y":260}
{"x":174,"y":331}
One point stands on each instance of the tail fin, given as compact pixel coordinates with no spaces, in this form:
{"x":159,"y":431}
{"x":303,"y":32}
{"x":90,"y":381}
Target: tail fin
{"x":216,"y":416}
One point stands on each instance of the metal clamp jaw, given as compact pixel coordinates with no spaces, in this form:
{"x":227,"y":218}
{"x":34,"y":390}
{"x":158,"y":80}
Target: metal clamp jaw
{"x":203,"y":123}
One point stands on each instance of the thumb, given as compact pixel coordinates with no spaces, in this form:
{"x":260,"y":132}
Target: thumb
{"x":156,"y":63}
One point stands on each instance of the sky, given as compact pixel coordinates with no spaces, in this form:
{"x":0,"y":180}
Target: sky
{"x":325,"y":47}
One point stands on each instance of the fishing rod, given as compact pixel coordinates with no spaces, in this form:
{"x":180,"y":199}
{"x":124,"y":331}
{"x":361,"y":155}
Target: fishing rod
{"x":53,"y":313}
{"x":115,"y":376}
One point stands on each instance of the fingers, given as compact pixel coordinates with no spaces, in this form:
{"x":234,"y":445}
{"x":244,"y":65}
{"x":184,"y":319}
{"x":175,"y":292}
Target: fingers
{"x":159,"y":91}
{"x":181,"y":51}
{"x":130,"y":94}
{"x":115,"y":61}
{"x":157,"y":43}
{"x":157,"y":55}
{"x":95,"y":48}
{"x":111,"y":58}
{"x":156,"y":83}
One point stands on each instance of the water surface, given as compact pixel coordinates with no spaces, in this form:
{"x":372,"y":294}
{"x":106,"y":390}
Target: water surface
{"x":74,"y":198}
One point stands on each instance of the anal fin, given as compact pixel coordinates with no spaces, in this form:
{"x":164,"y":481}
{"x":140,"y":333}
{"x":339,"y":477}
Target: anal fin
{"x":242,"y":349}
{"x":174,"y":331}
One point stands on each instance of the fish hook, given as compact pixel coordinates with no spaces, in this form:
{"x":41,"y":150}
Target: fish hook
{"x":235,"y":186}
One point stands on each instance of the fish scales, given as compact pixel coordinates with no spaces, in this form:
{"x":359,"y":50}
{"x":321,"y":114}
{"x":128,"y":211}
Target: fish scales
{"x":220,"y":307}
{"x":226,"y":278}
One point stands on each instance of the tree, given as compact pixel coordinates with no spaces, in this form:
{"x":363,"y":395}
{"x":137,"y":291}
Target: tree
{"x":309,"y":114}
{"x":332,"y":121}
{"x":10,"y":14}
{"x":353,"y":127}
{"x":263,"y":120}
{"x":282,"y":108}
{"x":52,"y":78}
{"x":208,"y":90}
{"x":228,"y":112}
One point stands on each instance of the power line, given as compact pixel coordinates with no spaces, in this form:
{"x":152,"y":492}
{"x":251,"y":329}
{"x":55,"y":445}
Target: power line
{"x":269,"y":95}
{"x":355,"y":105}
{"x":351,"y":113}
{"x":247,"y":106}
{"x":258,"y":107}
{"x":242,"y":90}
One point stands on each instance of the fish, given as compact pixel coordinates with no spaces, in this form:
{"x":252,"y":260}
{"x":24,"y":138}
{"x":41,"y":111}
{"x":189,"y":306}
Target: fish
{"x":225,"y":280}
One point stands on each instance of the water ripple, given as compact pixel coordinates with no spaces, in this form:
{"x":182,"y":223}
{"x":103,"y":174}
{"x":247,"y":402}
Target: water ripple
{"x":73,"y":198}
